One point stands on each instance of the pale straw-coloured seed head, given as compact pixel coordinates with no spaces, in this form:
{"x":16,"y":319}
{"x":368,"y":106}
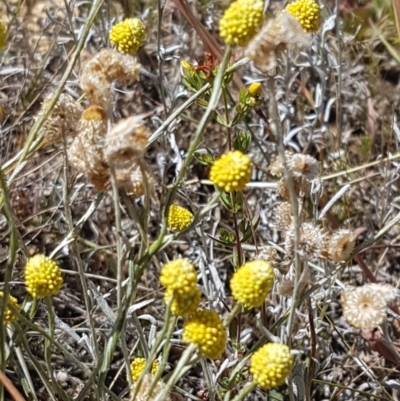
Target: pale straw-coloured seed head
{"x":283,"y":216}
{"x":269,"y":254}
{"x":279,"y":33}
{"x":311,"y":241}
{"x":385,"y":291}
{"x":363,"y":308}
{"x":85,"y":153}
{"x":340,"y":245}
{"x":130,"y":177}
{"x":101,"y":70}
{"x":301,"y":188}
{"x":303,"y":166}
{"x":144,"y":392}
{"x":126,"y":140}
{"x":63,"y":118}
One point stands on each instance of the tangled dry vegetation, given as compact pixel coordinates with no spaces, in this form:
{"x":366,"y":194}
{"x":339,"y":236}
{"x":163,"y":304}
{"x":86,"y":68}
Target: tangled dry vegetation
{"x":226,"y":218}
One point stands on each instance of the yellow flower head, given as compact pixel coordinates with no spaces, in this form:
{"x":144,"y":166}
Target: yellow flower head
{"x":241,"y":21}
{"x":204,"y":329}
{"x":3,"y":35}
{"x":183,"y":305}
{"x":252,"y":282}
{"x":179,"y":218}
{"x":306,"y":12}
{"x":138,"y":365}
{"x":271,"y":364}
{"x":180,"y":277}
{"x":232,"y":171}
{"x":128,"y":35}
{"x":42,"y":276}
{"x":9,"y":317}
{"x":255,"y":89}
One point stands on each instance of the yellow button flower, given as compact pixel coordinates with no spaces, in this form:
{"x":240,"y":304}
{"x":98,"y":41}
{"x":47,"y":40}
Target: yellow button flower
{"x":232,"y":171}
{"x":306,"y":12}
{"x":204,"y":329}
{"x":183,"y":305}
{"x":271,"y":364}
{"x":179,"y":218}
{"x":179,"y":276}
{"x":255,"y":89}
{"x":42,"y":276}
{"x":138,"y":365}
{"x":241,"y":21}
{"x":252,"y":282}
{"x":128,"y":35}
{"x":9,"y":316}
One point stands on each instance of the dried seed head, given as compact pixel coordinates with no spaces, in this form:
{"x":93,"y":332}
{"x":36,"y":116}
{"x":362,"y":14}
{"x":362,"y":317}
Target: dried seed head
{"x":144,"y":393}
{"x":340,"y":245}
{"x":283,"y":216}
{"x":101,"y":70}
{"x":385,"y":291}
{"x":269,"y":254}
{"x":301,"y":187}
{"x":126,"y":140}
{"x":85,"y":153}
{"x":129,"y":177}
{"x":63,"y":118}
{"x":311,"y":241}
{"x":363,"y":308}
{"x":276,"y":167}
{"x":280,"y":33}
{"x":303,"y":166}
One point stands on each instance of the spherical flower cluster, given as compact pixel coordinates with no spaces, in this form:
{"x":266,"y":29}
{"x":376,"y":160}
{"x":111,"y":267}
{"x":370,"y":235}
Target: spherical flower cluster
{"x":363,"y":308}
{"x":232,"y":171}
{"x":241,"y":21}
{"x":9,"y":316}
{"x":306,"y":12}
{"x":179,"y":218}
{"x":252,"y":282}
{"x":138,"y":365}
{"x":180,"y":279}
{"x":128,"y":35}
{"x":183,"y":305}
{"x":3,"y":35}
{"x":42,"y":276}
{"x":204,"y":329}
{"x":271,"y":364}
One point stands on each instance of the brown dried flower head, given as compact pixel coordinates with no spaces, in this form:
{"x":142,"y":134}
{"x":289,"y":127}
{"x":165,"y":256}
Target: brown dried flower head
{"x":127,"y":140}
{"x":86,"y":151}
{"x":278,"y":34}
{"x":130,"y":178}
{"x":63,"y":118}
{"x":102,"y":69}
{"x":301,"y":187}
{"x":340,"y":245}
{"x":311,"y":241}
{"x":363,"y":308}
{"x":303,"y":166}
{"x":144,"y":394}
